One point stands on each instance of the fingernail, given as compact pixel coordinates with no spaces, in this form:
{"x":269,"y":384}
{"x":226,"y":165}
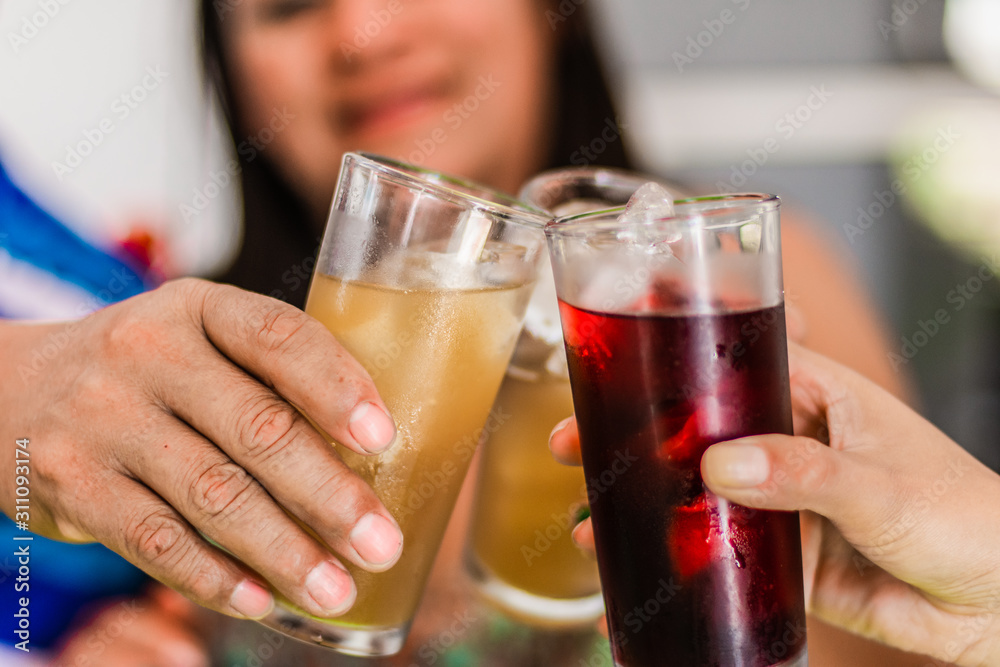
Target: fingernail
{"x":737,"y":466}
{"x":251,"y":600}
{"x":331,"y":588}
{"x":372,"y":427}
{"x":376,"y":539}
{"x":579,"y":533}
{"x":560,"y":426}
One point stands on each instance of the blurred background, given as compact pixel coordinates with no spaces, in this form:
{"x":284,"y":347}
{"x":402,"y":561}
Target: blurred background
{"x":880,"y":117}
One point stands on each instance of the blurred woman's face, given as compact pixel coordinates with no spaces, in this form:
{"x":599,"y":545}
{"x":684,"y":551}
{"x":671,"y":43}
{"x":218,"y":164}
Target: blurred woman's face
{"x":462,"y":86}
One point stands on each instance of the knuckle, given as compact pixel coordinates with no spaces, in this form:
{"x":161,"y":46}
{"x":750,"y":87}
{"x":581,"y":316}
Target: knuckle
{"x":267,"y":425}
{"x":134,"y":333}
{"x":278,"y":328}
{"x":815,"y":474}
{"x":203,"y":582}
{"x":291,"y":553}
{"x":184,"y":289}
{"x":157,"y":538}
{"x":344,"y":490}
{"x":222,"y":490}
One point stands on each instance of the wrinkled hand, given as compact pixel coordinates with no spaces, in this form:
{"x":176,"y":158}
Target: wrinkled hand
{"x":170,"y":414}
{"x":158,"y":630}
{"x":901,"y":537}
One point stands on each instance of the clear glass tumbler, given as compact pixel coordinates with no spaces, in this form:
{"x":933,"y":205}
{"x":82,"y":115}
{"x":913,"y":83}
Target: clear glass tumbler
{"x":424,"y":279}
{"x":520,"y":553}
{"x":675,"y":339}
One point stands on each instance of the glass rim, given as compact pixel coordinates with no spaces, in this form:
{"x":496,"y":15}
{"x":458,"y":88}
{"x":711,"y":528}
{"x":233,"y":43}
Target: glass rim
{"x":595,"y":174}
{"x":452,"y":188}
{"x":580,"y":224}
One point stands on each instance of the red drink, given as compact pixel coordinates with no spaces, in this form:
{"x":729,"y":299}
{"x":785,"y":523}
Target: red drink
{"x":689,"y":579}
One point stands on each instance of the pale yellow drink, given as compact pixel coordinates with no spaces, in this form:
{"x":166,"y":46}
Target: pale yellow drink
{"x":437,"y":355}
{"x":527,"y":505}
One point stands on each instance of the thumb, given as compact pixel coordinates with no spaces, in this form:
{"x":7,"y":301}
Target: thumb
{"x":783,"y":472}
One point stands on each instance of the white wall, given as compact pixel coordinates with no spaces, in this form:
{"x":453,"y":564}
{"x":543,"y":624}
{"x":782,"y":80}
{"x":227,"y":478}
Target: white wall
{"x":65,"y":66}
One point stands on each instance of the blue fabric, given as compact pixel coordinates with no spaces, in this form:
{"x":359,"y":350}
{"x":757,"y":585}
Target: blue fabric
{"x":63,"y":578}
{"x":31,"y":234}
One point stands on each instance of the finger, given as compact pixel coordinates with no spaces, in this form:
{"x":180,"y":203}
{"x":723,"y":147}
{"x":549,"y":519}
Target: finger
{"x":795,"y":322}
{"x":825,"y":398}
{"x":272,"y":441}
{"x":301,"y":359}
{"x":602,"y":627}
{"x":230,"y":507}
{"x":583,"y":535}
{"x":132,"y":521}
{"x":782,"y":472}
{"x":564,"y":441}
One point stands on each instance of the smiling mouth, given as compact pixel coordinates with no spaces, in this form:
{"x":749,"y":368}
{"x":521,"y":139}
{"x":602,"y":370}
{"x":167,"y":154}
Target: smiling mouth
{"x":392,"y":113}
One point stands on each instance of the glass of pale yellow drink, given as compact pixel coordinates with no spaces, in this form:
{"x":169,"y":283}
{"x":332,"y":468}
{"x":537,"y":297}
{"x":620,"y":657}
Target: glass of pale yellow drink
{"x":520,"y":552}
{"x":424,"y":279}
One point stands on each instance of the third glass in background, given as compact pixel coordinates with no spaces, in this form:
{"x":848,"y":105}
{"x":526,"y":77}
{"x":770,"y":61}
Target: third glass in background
{"x":521,"y":554}
{"x":675,"y":337}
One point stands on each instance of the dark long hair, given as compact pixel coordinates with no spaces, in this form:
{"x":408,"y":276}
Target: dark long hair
{"x":279,"y":238}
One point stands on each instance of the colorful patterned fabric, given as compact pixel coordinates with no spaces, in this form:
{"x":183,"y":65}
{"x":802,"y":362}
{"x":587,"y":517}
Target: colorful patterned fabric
{"x":49,"y":272}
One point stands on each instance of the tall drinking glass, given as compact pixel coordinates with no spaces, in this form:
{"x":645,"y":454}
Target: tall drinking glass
{"x":520,"y":552}
{"x":675,"y":338}
{"x":424,"y":279}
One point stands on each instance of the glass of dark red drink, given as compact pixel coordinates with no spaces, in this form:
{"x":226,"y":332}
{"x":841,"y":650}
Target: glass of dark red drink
{"x":675,"y":338}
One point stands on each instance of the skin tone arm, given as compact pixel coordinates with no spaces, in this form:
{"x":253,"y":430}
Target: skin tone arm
{"x":901,"y":542}
{"x":169,"y":416}
{"x":834,"y":315}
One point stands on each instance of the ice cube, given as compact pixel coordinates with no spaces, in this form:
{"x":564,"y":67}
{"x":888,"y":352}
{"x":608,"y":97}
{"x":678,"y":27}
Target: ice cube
{"x":651,"y":201}
{"x":542,"y":318}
